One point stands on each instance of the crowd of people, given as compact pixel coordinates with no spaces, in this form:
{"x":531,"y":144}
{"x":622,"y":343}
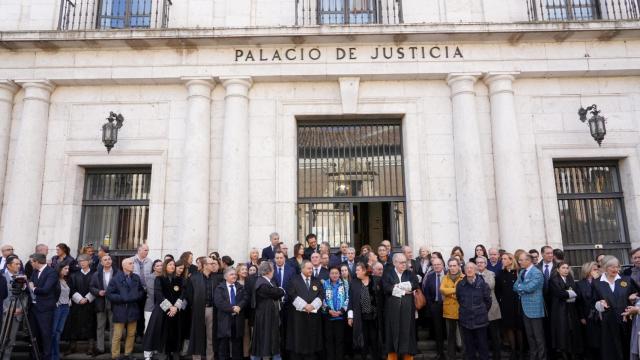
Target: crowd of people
{"x":319,"y":304}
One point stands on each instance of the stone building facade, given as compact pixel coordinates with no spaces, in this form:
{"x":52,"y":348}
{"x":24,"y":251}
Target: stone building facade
{"x":478,"y":100}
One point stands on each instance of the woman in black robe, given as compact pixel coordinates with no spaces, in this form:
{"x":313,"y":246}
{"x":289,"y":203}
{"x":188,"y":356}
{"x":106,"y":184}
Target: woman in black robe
{"x":400,"y":309}
{"x":81,"y":324}
{"x":364,"y":311}
{"x":509,"y":302}
{"x":589,"y":319}
{"x":265,"y":301}
{"x":566,"y":337}
{"x":163,"y":332}
{"x":616,"y":333}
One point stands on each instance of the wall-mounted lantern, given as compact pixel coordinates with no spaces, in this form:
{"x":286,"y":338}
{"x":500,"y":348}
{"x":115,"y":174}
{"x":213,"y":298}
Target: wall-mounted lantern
{"x":110,"y":130}
{"x":597,"y":123}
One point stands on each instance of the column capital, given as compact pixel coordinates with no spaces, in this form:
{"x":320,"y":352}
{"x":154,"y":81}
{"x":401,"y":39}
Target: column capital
{"x":500,"y":82}
{"x":7,"y":89}
{"x":237,"y":85}
{"x":37,"y":89}
{"x":199,"y":85}
{"x":462,"y":82}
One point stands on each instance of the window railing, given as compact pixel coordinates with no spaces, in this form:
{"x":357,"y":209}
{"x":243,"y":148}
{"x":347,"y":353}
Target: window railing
{"x":583,"y":10}
{"x":320,"y":12}
{"x":113,"y":14}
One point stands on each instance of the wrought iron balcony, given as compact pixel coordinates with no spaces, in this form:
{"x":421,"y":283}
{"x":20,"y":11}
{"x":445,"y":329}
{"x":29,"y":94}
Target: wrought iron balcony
{"x":320,"y":12}
{"x":583,"y":10}
{"x":113,"y":14}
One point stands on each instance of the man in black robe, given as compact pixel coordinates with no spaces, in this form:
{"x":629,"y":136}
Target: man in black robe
{"x":304,"y":330}
{"x":400,"y":323}
{"x":82,"y":317}
{"x":265,"y":301}
{"x":199,"y":293}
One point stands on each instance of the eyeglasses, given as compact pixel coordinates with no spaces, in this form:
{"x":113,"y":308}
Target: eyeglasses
{"x":8,"y":249}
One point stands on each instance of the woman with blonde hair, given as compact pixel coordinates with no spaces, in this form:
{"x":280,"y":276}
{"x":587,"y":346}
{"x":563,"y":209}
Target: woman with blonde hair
{"x":509,"y":302}
{"x":254,"y":257}
{"x":587,"y":313}
{"x":450,"y":305}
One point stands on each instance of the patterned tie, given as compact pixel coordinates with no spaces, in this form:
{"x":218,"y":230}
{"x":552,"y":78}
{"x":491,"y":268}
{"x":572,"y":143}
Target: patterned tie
{"x":308,"y":283}
{"x":546,"y":271}
{"x":233,"y":294}
{"x":523,"y":274}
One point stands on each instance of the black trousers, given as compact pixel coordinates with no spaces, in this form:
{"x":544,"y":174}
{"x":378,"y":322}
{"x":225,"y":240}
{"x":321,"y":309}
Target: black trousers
{"x":494,"y":339}
{"x":42,"y":325}
{"x":334,"y":339}
{"x":230,"y":348}
{"x":476,"y":346}
{"x":438,"y":324}
{"x":370,"y":337}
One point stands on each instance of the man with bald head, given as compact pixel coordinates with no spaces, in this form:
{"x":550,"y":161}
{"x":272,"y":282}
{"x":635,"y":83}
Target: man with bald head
{"x":124,"y":292}
{"x":494,"y":264}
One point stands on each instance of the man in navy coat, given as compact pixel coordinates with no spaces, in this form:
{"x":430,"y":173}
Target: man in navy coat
{"x":45,"y":289}
{"x":269,"y":252}
{"x":230,"y":299}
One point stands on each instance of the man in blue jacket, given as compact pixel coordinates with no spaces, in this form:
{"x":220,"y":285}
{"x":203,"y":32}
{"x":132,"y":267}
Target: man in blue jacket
{"x":45,"y":290}
{"x":529,"y":286}
{"x":124,"y":292}
{"x":474,"y":297}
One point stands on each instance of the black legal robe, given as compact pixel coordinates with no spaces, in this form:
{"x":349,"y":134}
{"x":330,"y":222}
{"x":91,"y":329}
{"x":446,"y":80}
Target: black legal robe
{"x":195,"y":293}
{"x":164,"y":333}
{"x":265,"y":301}
{"x":304,"y":330}
{"x":616,"y":333}
{"x":566,"y":332}
{"x":81,"y":324}
{"x":399,"y":321}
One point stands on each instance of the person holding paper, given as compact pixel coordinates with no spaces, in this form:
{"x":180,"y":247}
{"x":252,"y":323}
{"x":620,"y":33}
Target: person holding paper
{"x":82,"y":319}
{"x":400,"y":321}
{"x":566,"y":336}
{"x":304,"y":331}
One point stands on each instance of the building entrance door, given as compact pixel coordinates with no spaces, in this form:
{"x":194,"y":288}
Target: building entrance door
{"x":351,"y":183}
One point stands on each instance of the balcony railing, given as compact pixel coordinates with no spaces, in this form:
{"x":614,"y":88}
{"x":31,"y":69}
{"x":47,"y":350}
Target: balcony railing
{"x":583,"y":10}
{"x":113,"y":14}
{"x":319,"y":12}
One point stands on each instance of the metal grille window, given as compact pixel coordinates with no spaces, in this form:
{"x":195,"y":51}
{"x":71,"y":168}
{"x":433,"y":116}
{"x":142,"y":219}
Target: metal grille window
{"x":351,"y":182}
{"x":591,"y":205}
{"x":350,"y":161}
{"x":582,"y":10}
{"x":115,"y":208}
{"x":318,"y":12}
{"x":113,"y":14}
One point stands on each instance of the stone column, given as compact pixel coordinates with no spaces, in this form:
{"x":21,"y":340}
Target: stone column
{"x":193,"y":231}
{"x":511,"y":189}
{"x":24,"y":192}
{"x":233,"y":213}
{"x":7,"y":91}
{"x":471,"y":192}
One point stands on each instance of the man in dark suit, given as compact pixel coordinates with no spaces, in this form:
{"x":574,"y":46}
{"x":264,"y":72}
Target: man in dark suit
{"x":547,"y":266}
{"x":319,"y":272}
{"x":230,"y":300}
{"x":312,"y":242}
{"x":269,"y":252}
{"x":431,"y":288}
{"x":282,"y":274}
{"x":351,"y":262}
{"x":99,"y":285}
{"x":45,"y":288}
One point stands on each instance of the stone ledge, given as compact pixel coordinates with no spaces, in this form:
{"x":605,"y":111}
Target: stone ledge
{"x":52,"y":40}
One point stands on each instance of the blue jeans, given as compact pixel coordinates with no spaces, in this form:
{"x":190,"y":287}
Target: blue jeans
{"x":59,"y":318}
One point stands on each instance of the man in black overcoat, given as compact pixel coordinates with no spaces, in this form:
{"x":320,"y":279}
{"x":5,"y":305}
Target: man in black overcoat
{"x":304,"y":331}
{"x":230,"y":299}
{"x":200,"y":294}
{"x":265,"y":301}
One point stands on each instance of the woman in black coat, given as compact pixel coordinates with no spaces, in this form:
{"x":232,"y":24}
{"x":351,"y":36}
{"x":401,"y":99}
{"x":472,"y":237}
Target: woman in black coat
{"x":589,"y":319}
{"x":163,"y":334}
{"x":616,"y":334}
{"x":566,"y":337}
{"x":364,"y":311}
{"x":510,"y":303}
